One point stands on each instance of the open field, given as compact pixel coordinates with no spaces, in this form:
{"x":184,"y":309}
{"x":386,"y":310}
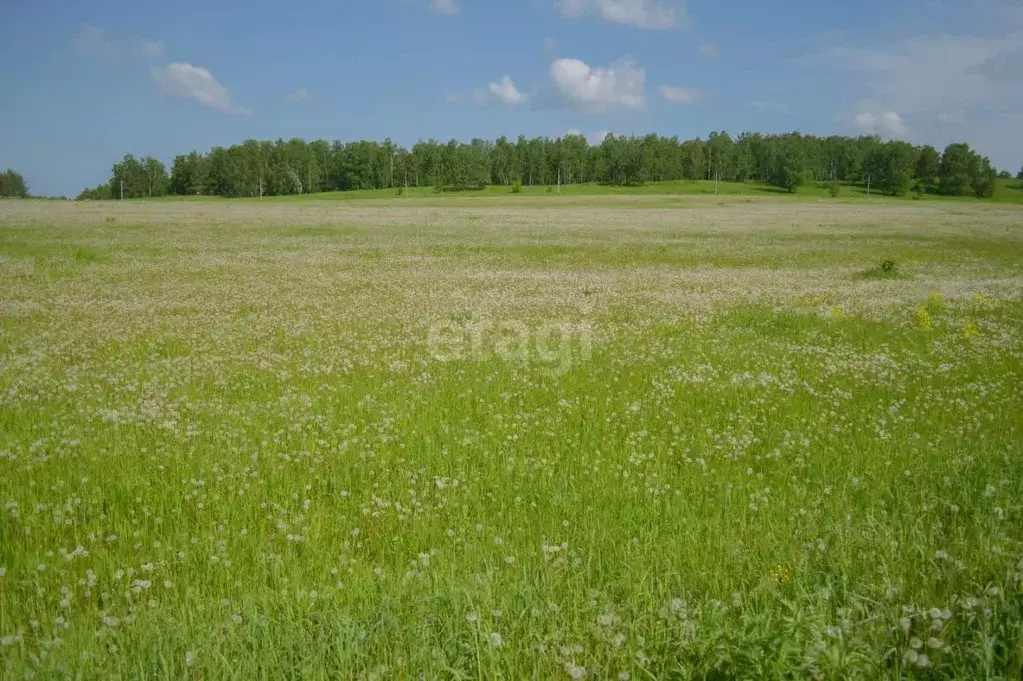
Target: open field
{"x":622,"y":437}
{"x":1006,"y":191}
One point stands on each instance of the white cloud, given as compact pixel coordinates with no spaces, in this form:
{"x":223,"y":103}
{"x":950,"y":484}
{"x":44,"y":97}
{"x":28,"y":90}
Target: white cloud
{"x":938,"y":80}
{"x":618,"y":86}
{"x":300,"y":95}
{"x":572,"y":132}
{"x":887,"y":124}
{"x":649,"y":14}
{"x":773,"y":107}
{"x":941,"y":73}
{"x":451,"y":98}
{"x":185,"y":81}
{"x":709,"y":50}
{"x":953,"y":87}
{"x":506,"y":91}
{"x":153,"y":48}
{"x":445,"y":7}
{"x":681,"y":95}
{"x":91,"y":41}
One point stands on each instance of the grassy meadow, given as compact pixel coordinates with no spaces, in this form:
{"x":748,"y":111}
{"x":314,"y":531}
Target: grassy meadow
{"x":1006,"y":191}
{"x":634,"y":437}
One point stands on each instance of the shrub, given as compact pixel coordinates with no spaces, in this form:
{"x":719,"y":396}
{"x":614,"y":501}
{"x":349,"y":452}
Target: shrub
{"x":516,"y":187}
{"x":834,"y":189}
{"x":886,"y":269}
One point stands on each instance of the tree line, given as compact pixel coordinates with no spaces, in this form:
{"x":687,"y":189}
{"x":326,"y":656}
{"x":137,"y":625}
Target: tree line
{"x":264,"y":168}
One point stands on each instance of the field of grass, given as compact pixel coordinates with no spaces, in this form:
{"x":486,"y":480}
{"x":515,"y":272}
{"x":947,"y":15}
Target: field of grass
{"x":391,"y":439}
{"x":1007,"y":191}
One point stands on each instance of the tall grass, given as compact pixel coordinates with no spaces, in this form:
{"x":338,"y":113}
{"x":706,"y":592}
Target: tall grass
{"x":248,"y":460}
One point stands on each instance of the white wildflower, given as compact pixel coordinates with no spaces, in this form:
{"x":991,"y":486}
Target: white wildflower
{"x":575,"y":671}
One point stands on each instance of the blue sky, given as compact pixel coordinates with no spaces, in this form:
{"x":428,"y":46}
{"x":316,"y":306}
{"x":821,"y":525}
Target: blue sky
{"x":85,"y":82}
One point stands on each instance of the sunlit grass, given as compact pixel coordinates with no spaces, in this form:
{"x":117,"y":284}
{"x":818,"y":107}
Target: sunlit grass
{"x":1006,"y":191}
{"x":229,"y":448}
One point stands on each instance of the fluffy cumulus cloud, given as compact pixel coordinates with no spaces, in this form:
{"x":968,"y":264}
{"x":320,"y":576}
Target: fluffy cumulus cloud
{"x":887,"y":124}
{"x":445,"y":6}
{"x":681,"y":95}
{"x":185,"y":81}
{"x":621,"y":85}
{"x":506,"y":92}
{"x":648,"y":14}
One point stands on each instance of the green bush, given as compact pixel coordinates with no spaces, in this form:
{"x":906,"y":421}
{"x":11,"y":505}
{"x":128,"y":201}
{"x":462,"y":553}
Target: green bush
{"x":886,"y":269}
{"x":516,"y":187}
{"x":834,"y":189}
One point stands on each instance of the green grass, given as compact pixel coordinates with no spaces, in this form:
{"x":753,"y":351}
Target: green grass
{"x":1007,"y":191}
{"x":282,"y":441}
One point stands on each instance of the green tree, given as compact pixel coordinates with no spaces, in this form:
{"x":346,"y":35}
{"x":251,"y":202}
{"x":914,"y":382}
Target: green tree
{"x":928,"y":164}
{"x":890,"y":166}
{"x":154,"y":175}
{"x":959,"y":164}
{"x":12,"y":184}
{"x":787,"y":166}
{"x":257,"y":168}
{"x":693,"y":159}
{"x":188,"y":174}
{"x":719,"y":150}
{"x":129,"y":180}
{"x":100,"y":193}
{"x":983,"y":181}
